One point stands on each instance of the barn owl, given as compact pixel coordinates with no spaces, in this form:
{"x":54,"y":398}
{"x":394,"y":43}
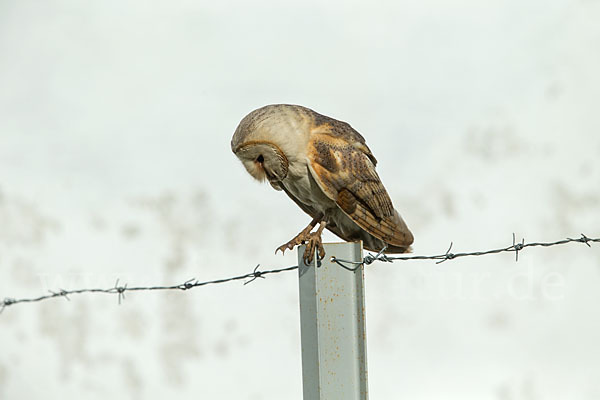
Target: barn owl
{"x":325,"y":166}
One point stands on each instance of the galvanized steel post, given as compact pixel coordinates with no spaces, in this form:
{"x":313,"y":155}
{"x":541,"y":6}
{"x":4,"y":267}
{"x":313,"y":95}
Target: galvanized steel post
{"x":332,"y":320}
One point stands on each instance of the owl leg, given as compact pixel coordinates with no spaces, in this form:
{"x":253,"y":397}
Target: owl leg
{"x":300,"y":238}
{"x":313,"y":243}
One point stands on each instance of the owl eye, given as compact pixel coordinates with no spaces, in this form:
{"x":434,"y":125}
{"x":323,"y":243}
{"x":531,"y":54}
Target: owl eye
{"x":260,"y":159}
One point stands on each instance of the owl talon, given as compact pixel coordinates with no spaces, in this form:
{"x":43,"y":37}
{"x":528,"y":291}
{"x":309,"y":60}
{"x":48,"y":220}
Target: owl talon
{"x":314,"y":242}
{"x":300,"y":238}
{"x":296,"y":241}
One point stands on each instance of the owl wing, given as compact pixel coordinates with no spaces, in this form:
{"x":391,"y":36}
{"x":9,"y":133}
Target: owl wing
{"x":344,"y":169}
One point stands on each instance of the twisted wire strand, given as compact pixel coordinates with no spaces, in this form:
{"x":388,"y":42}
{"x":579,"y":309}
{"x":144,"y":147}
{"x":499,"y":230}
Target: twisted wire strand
{"x":120,"y":290}
{"x":369,"y":259}
{"x":515,"y":247}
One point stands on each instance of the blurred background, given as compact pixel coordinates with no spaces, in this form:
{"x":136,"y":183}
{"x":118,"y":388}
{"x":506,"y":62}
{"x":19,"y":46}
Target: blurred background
{"x":115,"y":123}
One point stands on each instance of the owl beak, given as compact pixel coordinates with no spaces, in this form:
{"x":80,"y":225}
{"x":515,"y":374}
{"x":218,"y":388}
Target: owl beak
{"x":270,"y":176}
{"x":260,"y":164}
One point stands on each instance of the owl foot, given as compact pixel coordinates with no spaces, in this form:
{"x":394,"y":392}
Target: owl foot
{"x":299,"y":238}
{"x":312,"y":240}
{"x":313,"y":243}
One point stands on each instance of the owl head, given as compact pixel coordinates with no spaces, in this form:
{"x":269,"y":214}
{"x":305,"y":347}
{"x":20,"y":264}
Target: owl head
{"x":263,"y":160}
{"x":266,"y":139}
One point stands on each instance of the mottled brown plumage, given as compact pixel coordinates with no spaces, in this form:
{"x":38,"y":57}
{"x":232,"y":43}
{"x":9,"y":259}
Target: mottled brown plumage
{"x":326,"y":167}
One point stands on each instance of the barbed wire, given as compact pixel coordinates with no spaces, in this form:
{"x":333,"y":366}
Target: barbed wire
{"x":515,"y":247}
{"x":120,"y":290}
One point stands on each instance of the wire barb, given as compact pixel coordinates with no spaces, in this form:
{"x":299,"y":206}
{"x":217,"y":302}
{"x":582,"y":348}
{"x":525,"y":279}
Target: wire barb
{"x":369,"y":258}
{"x":584,"y":239}
{"x":517,"y":247}
{"x":188,"y":284}
{"x":8,"y":301}
{"x":60,"y":293}
{"x":120,"y":290}
{"x":255,"y":274}
{"x":447,"y":255}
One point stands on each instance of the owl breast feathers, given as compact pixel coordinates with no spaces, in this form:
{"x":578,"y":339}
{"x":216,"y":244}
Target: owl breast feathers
{"x":326,"y":168}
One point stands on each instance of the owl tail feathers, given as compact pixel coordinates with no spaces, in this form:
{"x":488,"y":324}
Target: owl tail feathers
{"x":396,"y":234}
{"x":391,"y":232}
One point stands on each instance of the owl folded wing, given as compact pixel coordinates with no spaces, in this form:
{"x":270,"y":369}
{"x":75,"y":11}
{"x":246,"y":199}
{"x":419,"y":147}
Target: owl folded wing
{"x":345,"y":171}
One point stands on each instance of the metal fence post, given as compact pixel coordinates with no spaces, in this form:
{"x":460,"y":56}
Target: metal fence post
{"x":332,"y":321}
